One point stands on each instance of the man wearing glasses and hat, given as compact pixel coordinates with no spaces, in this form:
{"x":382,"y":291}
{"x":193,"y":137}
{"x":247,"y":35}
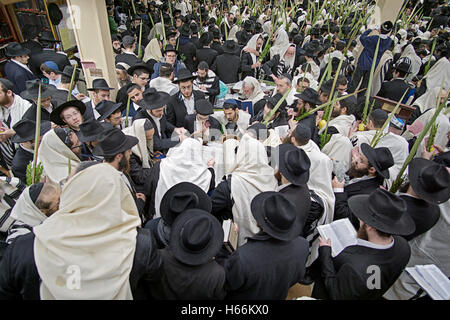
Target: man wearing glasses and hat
{"x":140,"y":75}
{"x":48,"y":99}
{"x":100,"y":91}
{"x":16,"y":69}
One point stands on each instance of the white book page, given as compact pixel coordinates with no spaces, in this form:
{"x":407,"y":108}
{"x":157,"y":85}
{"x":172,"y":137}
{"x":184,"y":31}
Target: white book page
{"x":226,"y":225}
{"x":341,"y":233}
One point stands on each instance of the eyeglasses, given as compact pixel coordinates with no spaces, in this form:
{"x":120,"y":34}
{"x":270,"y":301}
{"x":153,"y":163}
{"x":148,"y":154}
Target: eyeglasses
{"x":144,"y":79}
{"x":73,"y":115}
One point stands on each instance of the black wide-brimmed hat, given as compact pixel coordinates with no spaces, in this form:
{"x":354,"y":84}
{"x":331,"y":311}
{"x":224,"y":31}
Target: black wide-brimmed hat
{"x":55,"y":116}
{"x":181,"y":197}
{"x":273,"y":100}
{"x":230,"y":46}
{"x":114,"y":141}
{"x":185,"y":30}
{"x":168,"y":48}
{"x":203,"y":107}
{"x":380,"y":158}
{"x":32,"y":90}
{"x":383,"y":211}
{"x":183,"y":75}
{"x":47,"y":36}
{"x":54,"y":13}
{"x":25,"y":130}
{"x":91,"y":130}
{"x":293,"y":164}
{"x":106,"y":107}
{"x":404,"y":67}
{"x":387,"y":26}
{"x":310,"y":52}
{"x":196,"y":237}
{"x":15,"y":49}
{"x":309,"y":95}
{"x":137,"y":66}
{"x":153,"y":99}
{"x":276,"y":215}
{"x":100,"y":84}
{"x":327,"y":86}
{"x":68,"y":71}
{"x":205,"y":39}
{"x":430,"y":180}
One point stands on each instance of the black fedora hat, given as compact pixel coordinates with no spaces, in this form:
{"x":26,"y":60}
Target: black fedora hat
{"x":55,"y":116}
{"x":387,"y":26}
{"x":205,"y":39}
{"x":91,"y":130}
{"x":293,"y":164}
{"x":106,"y":107}
{"x":169,"y":48}
{"x":100,"y":84}
{"x":25,"y":130}
{"x":276,"y":215}
{"x":15,"y":49}
{"x":32,"y":90}
{"x":203,"y":107}
{"x":185,"y":30}
{"x":309,"y":95}
{"x":196,"y":237}
{"x":404,"y":67}
{"x":153,"y":99}
{"x":430,"y":180}
{"x":380,"y":158}
{"x":273,"y":100}
{"x":114,"y":141}
{"x":183,"y":75}
{"x":138,"y":66}
{"x":383,"y":211}
{"x":230,"y":46}
{"x":47,"y":36}
{"x":68,"y":71}
{"x":327,"y":86}
{"x":54,"y":13}
{"x":181,"y":197}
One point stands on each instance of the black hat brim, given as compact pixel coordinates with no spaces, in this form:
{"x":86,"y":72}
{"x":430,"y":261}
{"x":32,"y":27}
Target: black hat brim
{"x":139,"y":66}
{"x":111,"y":110}
{"x":371,"y":156}
{"x":178,"y":80}
{"x":128,"y":143}
{"x":45,"y":127}
{"x":297,"y":180}
{"x":435,"y":197}
{"x":22,"y":52}
{"x":258,"y":213}
{"x":195,"y":258}
{"x":308,"y":99}
{"x":55,"y":116}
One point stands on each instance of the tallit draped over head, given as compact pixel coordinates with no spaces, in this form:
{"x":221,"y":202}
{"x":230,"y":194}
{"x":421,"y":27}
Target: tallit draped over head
{"x":152,"y":51}
{"x":140,"y":150}
{"x":257,"y":93}
{"x":26,"y":211}
{"x":429,"y":99}
{"x":288,"y":62}
{"x":250,"y":176}
{"x":440,"y":70}
{"x":280,"y":43}
{"x":252,"y":44}
{"x":54,"y":156}
{"x":184,"y":163}
{"x":93,"y":235}
{"x":232,"y":34}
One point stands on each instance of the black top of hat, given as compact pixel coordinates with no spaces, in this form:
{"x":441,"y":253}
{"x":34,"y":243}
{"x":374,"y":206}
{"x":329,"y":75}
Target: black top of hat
{"x":183,"y":75}
{"x":205,"y":39}
{"x":138,"y":66}
{"x":204,"y":107}
{"x":260,"y":130}
{"x":113,"y":142}
{"x":55,"y":116}
{"x":274,"y":100}
{"x":309,"y":95}
{"x":230,"y":46}
{"x":293,"y":164}
{"x":15,"y":49}
{"x":380,"y":158}
{"x":47,"y":36}
{"x":168,"y":48}
{"x":32,"y":90}
{"x":26,"y":129}
{"x":68,"y":71}
{"x":107,"y":107}
{"x":90,"y":130}
{"x":404,"y":67}
{"x":181,"y":197}
{"x":387,"y":26}
{"x":153,"y":99}
{"x":100,"y":84}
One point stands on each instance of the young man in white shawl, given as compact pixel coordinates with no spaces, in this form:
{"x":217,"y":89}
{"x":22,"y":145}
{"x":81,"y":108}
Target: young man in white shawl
{"x":232,"y":119}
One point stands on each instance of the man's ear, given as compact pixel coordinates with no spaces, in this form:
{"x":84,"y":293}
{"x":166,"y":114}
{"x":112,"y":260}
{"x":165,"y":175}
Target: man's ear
{"x":118,"y":157}
{"x":372,"y":170}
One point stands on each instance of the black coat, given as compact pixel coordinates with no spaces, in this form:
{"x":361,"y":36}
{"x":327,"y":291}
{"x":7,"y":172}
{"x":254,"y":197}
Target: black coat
{"x":227,"y":67}
{"x":246,"y":66}
{"x":176,"y":110}
{"x":20,"y":162}
{"x":217,"y":46}
{"x":188,"y":50}
{"x":59,"y":96}
{"x":189,"y":122}
{"x":161,"y":142}
{"x":424,"y":214}
{"x":271,"y":67}
{"x":129,"y":59}
{"x":18,"y":76}
{"x":47,"y":55}
{"x":33,"y":46}
{"x":297,"y":195}
{"x":346,"y":276}
{"x":19,"y":278}
{"x":393,"y":89}
{"x":183,"y":282}
{"x":30,"y":114}
{"x":89,"y":113}
{"x":206,"y":54}
{"x":252,"y":275}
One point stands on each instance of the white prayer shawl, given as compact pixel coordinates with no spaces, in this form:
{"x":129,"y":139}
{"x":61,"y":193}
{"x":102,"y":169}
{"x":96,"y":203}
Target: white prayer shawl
{"x":428,"y":100}
{"x":184,"y":163}
{"x":335,"y":54}
{"x":267,"y":27}
{"x":93,"y":235}
{"x":252,"y":44}
{"x":320,"y":174}
{"x":273,"y":140}
{"x":379,"y":73}
{"x":164,"y":85}
{"x":232,"y":34}
{"x":257,"y":93}
{"x":430,"y":247}
{"x":54,"y":156}
{"x":280,"y":43}
{"x":26,"y":211}
{"x":399,"y":46}
{"x":416,"y":62}
{"x":140,"y":150}
{"x":339,"y":148}
{"x":152,"y":51}
{"x":242,"y":123}
{"x":16,"y":110}
{"x":343,"y":123}
{"x":313,"y":84}
{"x":440,"y":70}
{"x":250,"y":176}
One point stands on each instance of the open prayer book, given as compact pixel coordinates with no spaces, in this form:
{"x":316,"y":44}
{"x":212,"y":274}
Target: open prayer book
{"x":341,"y":233}
{"x":230,"y":237}
{"x":432,"y":280}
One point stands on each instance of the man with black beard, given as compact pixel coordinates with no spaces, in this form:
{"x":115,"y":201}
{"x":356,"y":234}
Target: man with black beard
{"x":367,"y":173}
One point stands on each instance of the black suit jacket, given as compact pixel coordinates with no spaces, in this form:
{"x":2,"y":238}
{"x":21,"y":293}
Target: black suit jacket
{"x":161,"y":142}
{"x":176,"y":110}
{"x":18,"y":76}
{"x":300,"y":197}
{"x":188,"y":50}
{"x":206,"y":54}
{"x":48,"y":55}
{"x":20,"y":162}
{"x":189,"y":122}
{"x":246,"y":66}
{"x":346,"y":277}
{"x":393,"y":89}
{"x":227,"y":67}
{"x":217,"y":46}
{"x":129,"y":59}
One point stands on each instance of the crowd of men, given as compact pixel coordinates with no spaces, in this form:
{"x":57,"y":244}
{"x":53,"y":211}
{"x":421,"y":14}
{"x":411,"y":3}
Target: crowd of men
{"x":215,"y":119}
